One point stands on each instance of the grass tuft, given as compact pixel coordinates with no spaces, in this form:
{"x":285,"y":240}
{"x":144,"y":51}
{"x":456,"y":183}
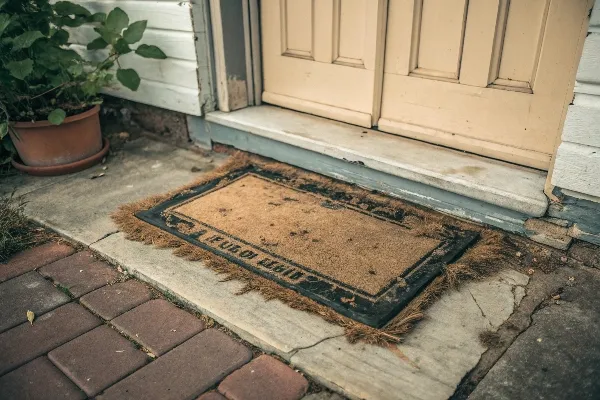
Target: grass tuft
{"x":15,"y":229}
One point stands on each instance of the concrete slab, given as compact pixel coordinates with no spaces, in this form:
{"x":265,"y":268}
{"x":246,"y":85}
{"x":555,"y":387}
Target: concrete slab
{"x":428,"y":365}
{"x":271,"y":325}
{"x":558,"y":357}
{"x":80,"y":207}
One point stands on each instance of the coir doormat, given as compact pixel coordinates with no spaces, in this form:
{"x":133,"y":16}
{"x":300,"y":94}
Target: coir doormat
{"x":315,"y":243}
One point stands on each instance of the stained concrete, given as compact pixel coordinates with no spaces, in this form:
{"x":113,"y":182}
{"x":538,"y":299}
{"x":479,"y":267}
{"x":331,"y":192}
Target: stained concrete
{"x":80,"y":207}
{"x":558,"y":357}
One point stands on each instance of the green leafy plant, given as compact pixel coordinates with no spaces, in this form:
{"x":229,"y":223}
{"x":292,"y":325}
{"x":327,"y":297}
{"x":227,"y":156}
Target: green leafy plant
{"x":43,"y":77}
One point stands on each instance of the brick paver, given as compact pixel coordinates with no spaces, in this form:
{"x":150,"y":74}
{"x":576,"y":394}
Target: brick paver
{"x":158,"y":325}
{"x":112,"y":301}
{"x":80,"y":273}
{"x":265,"y":378}
{"x":212,"y":396}
{"x":185,"y":372}
{"x":27,"y":292}
{"x":31,"y":259}
{"x":38,"y":379}
{"x":26,"y":342}
{"x":97,"y":359}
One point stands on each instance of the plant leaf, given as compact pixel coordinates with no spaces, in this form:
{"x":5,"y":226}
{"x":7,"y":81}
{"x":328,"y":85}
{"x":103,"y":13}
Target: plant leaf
{"x":75,"y":69}
{"x":3,"y":129}
{"x":129,"y":78}
{"x":97,"y":44}
{"x":5,"y":20}
{"x":64,"y":8}
{"x":2,"y":3}
{"x":97,"y":17}
{"x":57,"y":116}
{"x":122,"y":47}
{"x":150,"y":51}
{"x":117,"y":20}
{"x":70,"y":22}
{"x":61,"y":37}
{"x":107,"y":35}
{"x":26,"y":39}
{"x":134,"y":33}
{"x":20,"y":69}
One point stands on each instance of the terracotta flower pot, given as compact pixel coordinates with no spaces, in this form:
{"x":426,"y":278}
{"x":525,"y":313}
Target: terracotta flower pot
{"x":48,"y":149}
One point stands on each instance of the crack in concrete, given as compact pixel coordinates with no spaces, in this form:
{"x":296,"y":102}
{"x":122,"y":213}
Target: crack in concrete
{"x":480,"y":309}
{"x":103,"y":237}
{"x":295,"y":351}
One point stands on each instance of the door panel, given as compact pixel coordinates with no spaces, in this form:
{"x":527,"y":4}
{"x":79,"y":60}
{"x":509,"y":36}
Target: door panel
{"x":491,"y":77}
{"x":324,"y":56}
{"x":438,"y":45}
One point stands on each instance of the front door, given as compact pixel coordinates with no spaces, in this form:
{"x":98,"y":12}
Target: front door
{"x":487,"y":76}
{"x":324,"y":57}
{"x":492,"y":77}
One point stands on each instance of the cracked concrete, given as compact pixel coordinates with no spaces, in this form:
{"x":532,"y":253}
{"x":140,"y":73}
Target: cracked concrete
{"x":433,"y":358}
{"x":558,"y":357}
{"x":429,"y":364}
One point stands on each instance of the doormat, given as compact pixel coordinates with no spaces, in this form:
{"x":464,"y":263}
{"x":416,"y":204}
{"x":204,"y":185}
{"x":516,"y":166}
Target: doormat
{"x":353,"y":256}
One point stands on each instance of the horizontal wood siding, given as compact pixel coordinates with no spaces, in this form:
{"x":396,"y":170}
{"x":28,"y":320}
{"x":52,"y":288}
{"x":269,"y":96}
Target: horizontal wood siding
{"x":172,"y":83}
{"x":577,"y":165}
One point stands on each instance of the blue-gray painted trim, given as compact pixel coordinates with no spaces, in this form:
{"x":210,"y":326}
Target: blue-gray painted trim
{"x":415,"y":192}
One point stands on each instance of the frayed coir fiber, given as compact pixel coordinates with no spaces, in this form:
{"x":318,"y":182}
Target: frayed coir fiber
{"x":479,"y":261}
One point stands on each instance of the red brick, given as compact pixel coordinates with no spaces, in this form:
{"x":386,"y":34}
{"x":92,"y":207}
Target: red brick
{"x":80,"y":273}
{"x":27,"y":292}
{"x":25,"y":342}
{"x":265,"y":378}
{"x":31,"y":259}
{"x":185,"y":372}
{"x":38,"y":379}
{"x":112,"y":301}
{"x":212,"y":396}
{"x":158,"y":325}
{"x":97,"y":359}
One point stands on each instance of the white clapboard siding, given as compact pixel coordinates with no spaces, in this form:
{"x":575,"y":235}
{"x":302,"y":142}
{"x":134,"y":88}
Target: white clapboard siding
{"x":162,"y":95}
{"x":171,"y":83}
{"x":172,"y":71}
{"x":175,"y":44}
{"x":170,"y":15}
{"x":577,"y":165}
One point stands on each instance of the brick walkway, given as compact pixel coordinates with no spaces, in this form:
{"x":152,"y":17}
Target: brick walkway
{"x":98,"y":334}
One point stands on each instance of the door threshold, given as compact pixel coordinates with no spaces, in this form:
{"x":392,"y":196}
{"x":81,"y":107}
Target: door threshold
{"x":453,"y":182}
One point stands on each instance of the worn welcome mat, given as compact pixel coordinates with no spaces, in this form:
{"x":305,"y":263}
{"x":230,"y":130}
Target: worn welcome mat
{"x":320,"y":243}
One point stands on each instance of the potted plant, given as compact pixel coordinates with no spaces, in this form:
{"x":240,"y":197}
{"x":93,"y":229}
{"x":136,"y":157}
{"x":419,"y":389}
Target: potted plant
{"x":49,"y":93}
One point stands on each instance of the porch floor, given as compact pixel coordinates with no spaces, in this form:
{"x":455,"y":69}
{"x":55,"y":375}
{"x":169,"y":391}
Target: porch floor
{"x":429,"y":364}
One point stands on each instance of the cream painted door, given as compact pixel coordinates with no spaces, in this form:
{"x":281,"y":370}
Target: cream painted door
{"x":324,"y":57}
{"x":491,"y":77}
